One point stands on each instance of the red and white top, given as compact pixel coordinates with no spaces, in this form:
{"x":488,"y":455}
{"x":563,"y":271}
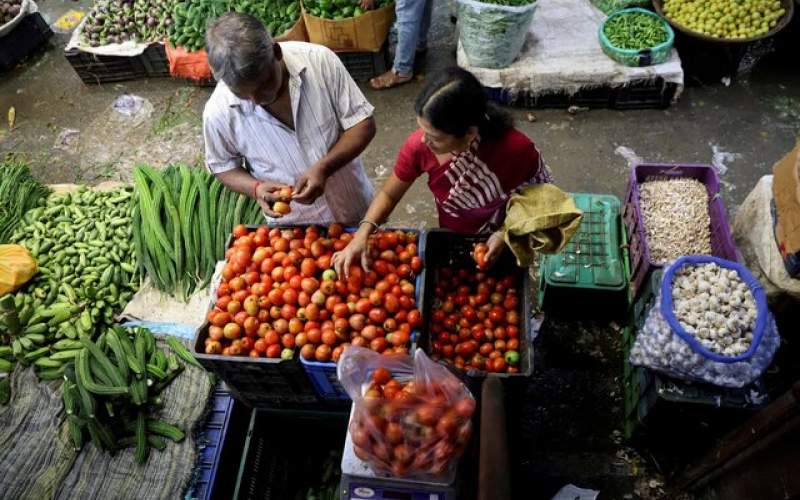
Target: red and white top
{"x":471,"y":189}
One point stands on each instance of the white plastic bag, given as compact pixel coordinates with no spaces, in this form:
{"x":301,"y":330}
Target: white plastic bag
{"x":492,"y":35}
{"x":664,"y":345}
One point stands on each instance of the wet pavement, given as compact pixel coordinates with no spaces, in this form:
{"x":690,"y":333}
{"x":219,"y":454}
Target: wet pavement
{"x":569,"y":417}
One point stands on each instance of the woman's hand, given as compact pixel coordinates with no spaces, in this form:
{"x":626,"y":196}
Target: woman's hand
{"x":496,"y":245}
{"x":356,"y":252}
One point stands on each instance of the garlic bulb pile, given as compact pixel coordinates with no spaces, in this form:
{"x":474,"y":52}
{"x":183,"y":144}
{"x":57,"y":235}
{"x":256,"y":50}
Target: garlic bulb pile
{"x":676,"y":220}
{"x":716,"y":307}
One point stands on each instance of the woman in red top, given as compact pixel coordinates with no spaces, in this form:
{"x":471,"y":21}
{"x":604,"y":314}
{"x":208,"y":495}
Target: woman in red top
{"x":474,"y":157}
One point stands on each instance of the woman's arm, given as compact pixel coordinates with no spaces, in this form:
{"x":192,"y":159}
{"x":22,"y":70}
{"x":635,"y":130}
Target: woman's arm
{"x":379,"y":210}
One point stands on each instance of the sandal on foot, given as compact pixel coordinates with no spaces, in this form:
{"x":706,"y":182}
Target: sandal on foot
{"x":388,"y":80}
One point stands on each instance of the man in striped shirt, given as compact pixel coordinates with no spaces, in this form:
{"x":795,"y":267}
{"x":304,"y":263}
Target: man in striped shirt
{"x":286,"y":114}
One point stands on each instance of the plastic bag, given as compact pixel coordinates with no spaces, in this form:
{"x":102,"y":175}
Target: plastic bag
{"x":664,"y":345}
{"x":190,"y":65}
{"x":417,"y":424}
{"x":17,"y":266}
{"x":492,"y":35}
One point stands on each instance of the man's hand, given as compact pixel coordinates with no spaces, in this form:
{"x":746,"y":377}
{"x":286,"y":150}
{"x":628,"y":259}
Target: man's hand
{"x":367,"y":4}
{"x":495,"y":244}
{"x":266,"y":195}
{"x":310,"y":185}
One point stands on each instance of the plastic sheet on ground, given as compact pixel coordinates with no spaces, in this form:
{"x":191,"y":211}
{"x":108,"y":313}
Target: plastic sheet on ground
{"x":562,"y":54}
{"x":755,"y":237}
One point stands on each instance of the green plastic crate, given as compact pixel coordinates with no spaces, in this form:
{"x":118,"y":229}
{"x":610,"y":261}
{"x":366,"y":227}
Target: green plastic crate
{"x":589,"y":277}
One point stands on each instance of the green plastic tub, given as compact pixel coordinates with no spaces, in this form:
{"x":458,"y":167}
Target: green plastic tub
{"x":637,"y":58}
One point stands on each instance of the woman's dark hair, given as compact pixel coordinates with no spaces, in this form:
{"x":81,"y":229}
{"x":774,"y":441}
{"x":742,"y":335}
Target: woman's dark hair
{"x":454,"y":100}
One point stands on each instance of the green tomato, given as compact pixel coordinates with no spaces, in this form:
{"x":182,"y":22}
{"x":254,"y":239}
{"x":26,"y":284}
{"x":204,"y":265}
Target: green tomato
{"x":287,"y":353}
{"x":512,"y":358}
{"x":329,"y":274}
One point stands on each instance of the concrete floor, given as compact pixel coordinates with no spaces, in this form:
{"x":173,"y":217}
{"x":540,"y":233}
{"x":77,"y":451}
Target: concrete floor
{"x":70,"y":133}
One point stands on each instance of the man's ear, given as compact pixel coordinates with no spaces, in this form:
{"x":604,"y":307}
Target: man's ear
{"x":278,"y":52}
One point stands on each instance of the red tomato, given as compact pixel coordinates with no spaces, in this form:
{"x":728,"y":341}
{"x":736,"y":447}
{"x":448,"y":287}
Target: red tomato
{"x":240,"y":230}
{"x":381,"y":376}
{"x":379,"y":344}
{"x":314,"y":336}
{"x":323,"y":353}
{"x":274,"y":351}
{"x":260,"y":346}
{"x":288,"y":312}
{"x":377,"y":315}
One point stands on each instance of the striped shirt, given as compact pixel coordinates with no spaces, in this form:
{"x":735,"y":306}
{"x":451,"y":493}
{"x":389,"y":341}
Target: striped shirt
{"x":325,"y":102}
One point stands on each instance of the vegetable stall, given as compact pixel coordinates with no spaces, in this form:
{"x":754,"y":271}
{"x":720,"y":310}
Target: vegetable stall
{"x":390,"y":360}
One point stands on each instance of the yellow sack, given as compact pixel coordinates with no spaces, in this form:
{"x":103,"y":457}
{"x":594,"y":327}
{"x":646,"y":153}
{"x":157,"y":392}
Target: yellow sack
{"x":541,"y":218}
{"x":17,"y":266}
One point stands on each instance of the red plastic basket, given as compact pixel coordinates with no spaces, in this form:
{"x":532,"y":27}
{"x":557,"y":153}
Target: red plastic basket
{"x":722,"y":244}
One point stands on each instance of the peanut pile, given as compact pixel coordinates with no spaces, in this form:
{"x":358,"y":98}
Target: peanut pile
{"x":676,"y":220}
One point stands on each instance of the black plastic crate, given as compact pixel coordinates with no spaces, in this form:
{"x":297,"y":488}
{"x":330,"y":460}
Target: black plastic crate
{"x":445,"y":248}
{"x":259,"y":382}
{"x":365,"y":65}
{"x":279,"y":464}
{"x":222,"y":439}
{"x":656,"y":94}
{"x":96,"y":69}
{"x":30,"y":34}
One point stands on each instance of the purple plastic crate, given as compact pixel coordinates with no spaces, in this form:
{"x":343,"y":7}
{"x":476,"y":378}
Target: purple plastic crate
{"x":722,"y":244}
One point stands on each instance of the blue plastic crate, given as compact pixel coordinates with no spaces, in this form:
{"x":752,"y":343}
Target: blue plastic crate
{"x":222,"y":438}
{"x":323,"y":375}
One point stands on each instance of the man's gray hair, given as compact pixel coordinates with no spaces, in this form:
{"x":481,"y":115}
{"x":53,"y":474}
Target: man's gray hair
{"x":239,"y":49}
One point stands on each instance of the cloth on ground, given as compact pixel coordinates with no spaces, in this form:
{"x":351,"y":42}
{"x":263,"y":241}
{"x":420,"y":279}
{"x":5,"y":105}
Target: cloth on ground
{"x":562,"y":54}
{"x":541,"y":218}
{"x":166,"y":473}
{"x":755,"y":237}
{"x":37,"y":459}
{"x":36,"y":452}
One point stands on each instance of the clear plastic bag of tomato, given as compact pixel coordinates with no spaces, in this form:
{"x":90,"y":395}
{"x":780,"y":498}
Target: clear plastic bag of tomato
{"x":412,"y":417}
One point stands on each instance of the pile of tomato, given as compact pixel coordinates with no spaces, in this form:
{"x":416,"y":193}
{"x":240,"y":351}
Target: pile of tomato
{"x":279,"y":293}
{"x":475,"y":321}
{"x":411,"y":428}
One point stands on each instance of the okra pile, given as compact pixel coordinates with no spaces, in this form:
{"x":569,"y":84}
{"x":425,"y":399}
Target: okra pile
{"x":87,"y":274}
{"x":113,"y":388}
{"x":181,"y":221}
{"x":635,"y":31}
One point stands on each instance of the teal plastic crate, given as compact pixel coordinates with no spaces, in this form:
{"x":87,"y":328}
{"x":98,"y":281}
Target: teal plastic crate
{"x":589,"y":277}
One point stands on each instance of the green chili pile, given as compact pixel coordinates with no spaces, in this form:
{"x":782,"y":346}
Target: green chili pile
{"x":635,"y":31}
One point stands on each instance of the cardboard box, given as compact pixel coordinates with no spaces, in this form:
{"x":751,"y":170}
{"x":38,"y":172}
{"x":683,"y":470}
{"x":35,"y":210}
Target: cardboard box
{"x":786,"y":190}
{"x":365,"y":33}
{"x":296,"y":33}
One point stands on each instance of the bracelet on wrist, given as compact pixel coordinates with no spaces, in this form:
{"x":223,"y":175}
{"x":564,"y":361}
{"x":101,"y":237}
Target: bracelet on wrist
{"x":365,"y":221}
{"x":255,"y":189}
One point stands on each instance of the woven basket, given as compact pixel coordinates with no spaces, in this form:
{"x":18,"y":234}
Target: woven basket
{"x":637,"y":58}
